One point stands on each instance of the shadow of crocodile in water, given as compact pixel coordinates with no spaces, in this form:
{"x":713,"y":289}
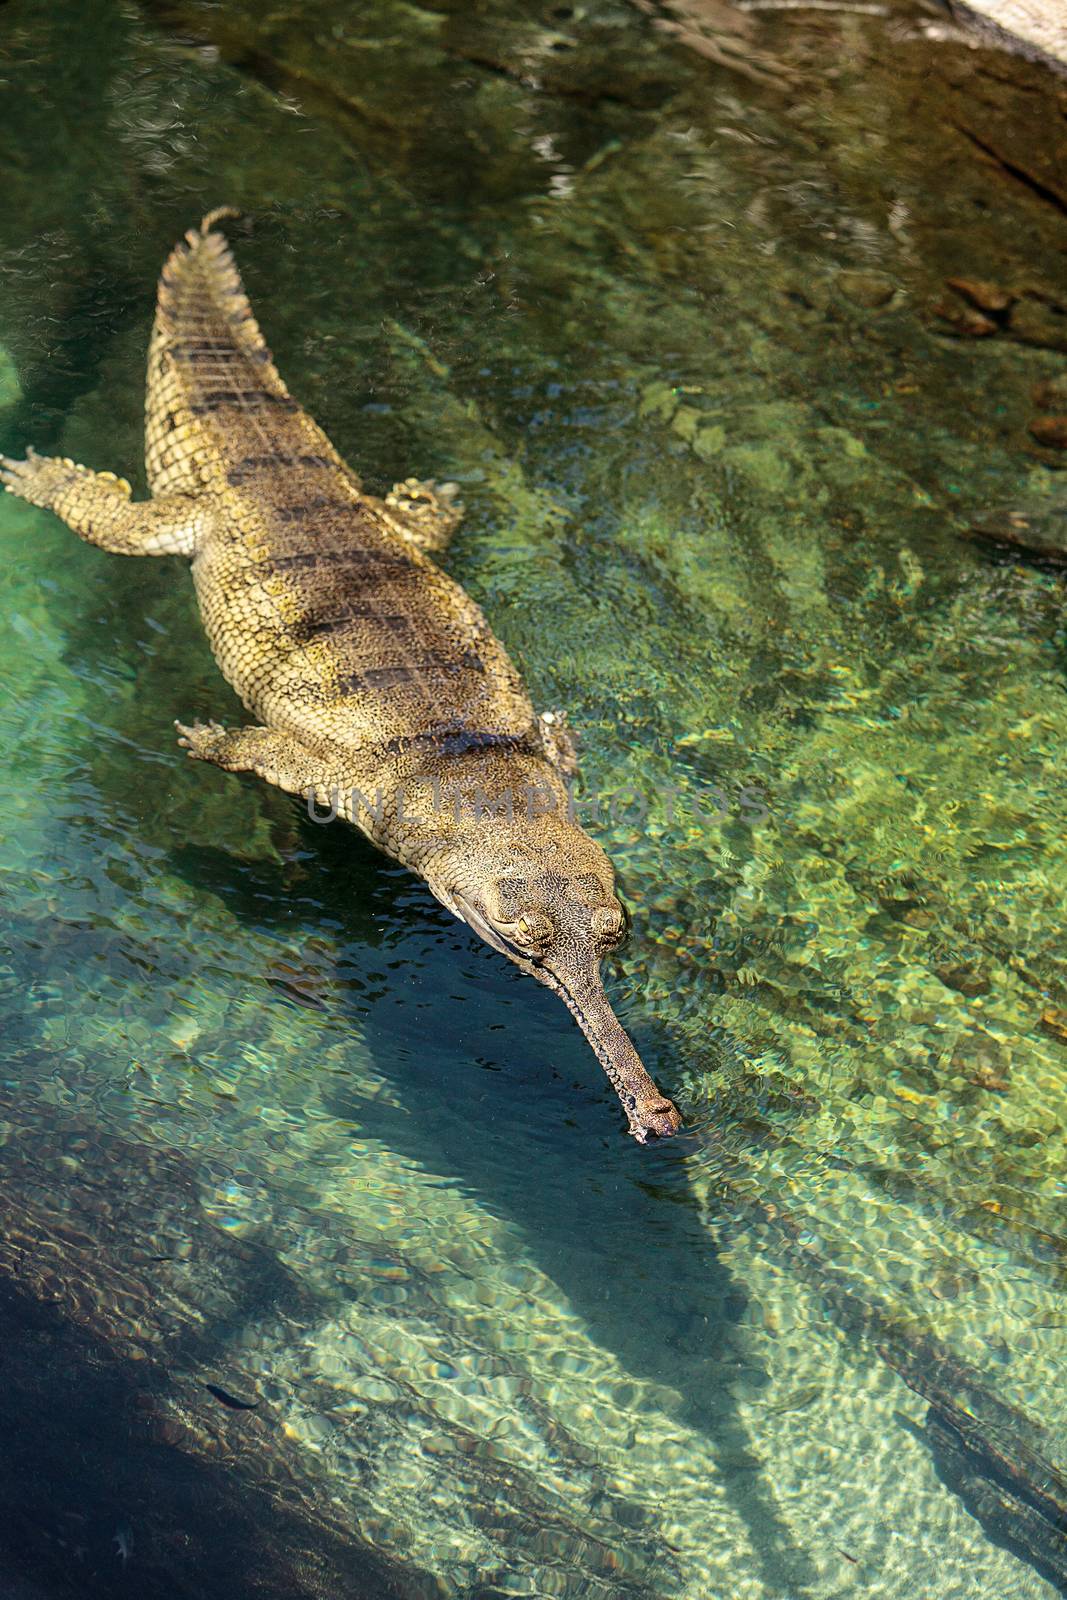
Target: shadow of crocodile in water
{"x":617,"y":1228}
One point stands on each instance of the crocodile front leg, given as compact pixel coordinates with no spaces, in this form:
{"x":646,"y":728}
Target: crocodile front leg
{"x":97,"y":507}
{"x":277,"y":758}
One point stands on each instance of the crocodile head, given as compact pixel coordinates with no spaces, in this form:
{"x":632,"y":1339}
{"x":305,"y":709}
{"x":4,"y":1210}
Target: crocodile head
{"x":544,"y":896}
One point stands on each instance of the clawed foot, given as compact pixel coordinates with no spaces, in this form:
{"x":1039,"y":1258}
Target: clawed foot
{"x":41,"y":480}
{"x":421,"y":498}
{"x":428,"y":512}
{"x":201,"y":739}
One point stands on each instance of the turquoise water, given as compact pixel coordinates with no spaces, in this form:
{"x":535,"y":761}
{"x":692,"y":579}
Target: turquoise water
{"x":671,"y":307}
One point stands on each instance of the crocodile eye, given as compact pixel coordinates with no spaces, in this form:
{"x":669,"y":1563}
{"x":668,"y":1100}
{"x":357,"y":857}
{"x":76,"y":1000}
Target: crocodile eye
{"x":534,"y":930}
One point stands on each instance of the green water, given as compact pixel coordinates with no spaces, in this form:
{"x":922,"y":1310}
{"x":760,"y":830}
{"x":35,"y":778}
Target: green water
{"x":616,"y":282}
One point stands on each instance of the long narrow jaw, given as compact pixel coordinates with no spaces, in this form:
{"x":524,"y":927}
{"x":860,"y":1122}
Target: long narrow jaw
{"x":650,"y":1114}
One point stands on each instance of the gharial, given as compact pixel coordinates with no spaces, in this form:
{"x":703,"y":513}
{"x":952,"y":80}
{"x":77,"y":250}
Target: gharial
{"x":372,"y":676}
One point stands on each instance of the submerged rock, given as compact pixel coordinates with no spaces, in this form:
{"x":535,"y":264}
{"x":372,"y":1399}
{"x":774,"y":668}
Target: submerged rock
{"x":1050,"y":431}
{"x":965,"y":980}
{"x":1040,"y":532}
{"x":964,"y":320}
{"x":115,"y":1295}
{"x":984,"y":296}
{"x":1035,"y":27}
{"x":1035,"y":322}
{"x":1054,"y":1021}
{"x":867,"y":289}
{"x":1051,"y":393}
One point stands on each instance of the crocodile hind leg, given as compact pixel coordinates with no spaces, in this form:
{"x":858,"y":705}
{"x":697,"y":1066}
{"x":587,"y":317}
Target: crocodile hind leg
{"x":96,"y":505}
{"x":423,"y":513}
{"x":277,"y":758}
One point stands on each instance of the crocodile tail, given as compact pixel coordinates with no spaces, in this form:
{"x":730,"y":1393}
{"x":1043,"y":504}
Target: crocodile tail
{"x":215,"y":399}
{"x":201,"y":297}
{"x":218,"y":215}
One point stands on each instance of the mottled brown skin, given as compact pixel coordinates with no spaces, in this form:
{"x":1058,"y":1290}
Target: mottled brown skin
{"x":374,"y":680}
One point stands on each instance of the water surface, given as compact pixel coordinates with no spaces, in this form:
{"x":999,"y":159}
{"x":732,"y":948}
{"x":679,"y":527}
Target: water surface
{"x":664,"y":290}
